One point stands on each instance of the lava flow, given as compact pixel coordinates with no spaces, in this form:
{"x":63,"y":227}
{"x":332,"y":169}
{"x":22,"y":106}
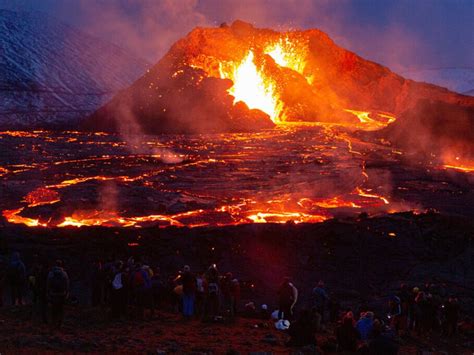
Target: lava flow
{"x":317,"y":173}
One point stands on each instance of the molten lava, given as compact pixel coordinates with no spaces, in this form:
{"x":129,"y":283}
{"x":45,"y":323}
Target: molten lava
{"x":288,"y":54}
{"x":464,"y":168}
{"x":252,"y":87}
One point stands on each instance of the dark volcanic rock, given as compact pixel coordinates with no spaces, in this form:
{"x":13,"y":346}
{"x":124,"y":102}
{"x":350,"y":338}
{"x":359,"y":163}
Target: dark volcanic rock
{"x":445,"y":129}
{"x":182,"y":101}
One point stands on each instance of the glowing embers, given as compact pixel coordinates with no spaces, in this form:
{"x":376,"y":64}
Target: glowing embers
{"x":3,"y":171}
{"x":41,"y":196}
{"x":288,"y":54}
{"x":252,"y":87}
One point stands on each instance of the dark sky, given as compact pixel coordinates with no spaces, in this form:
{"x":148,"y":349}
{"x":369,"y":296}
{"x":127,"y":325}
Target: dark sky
{"x":398,"y":33}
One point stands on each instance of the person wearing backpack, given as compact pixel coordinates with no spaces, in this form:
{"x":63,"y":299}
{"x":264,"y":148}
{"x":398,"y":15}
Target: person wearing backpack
{"x":58,"y":291}
{"x":141,"y":284}
{"x":212,"y":292}
{"x":16,"y":278}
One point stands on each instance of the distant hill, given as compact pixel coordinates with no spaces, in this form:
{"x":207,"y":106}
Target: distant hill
{"x":52,"y":74}
{"x":460,"y":80}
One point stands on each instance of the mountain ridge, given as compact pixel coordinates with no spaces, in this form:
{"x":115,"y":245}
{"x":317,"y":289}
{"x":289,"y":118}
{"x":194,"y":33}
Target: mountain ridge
{"x":52,"y":74}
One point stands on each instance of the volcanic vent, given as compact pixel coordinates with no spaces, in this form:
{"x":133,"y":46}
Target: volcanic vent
{"x":240,"y":78}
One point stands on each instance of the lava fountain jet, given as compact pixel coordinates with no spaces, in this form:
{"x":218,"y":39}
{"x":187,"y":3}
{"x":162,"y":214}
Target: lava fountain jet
{"x":252,"y":87}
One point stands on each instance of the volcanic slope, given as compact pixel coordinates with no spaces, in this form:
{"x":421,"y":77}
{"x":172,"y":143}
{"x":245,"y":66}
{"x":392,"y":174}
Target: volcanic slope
{"x":290,"y":76}
{"x":52,"y":74}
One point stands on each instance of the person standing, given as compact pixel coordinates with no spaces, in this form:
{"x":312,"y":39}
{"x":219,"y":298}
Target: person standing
{"x":320,"y":299}
{"x":189,"y":292}
{"x":40,"y":297}
{"x":16,"y":278}
{"x":212,"y":292}
{"x":287,"y":298}
{"x":58,"y":291}
{"x":3,"y":276}
{"x":452,"y":315}
{"x":347,"y":335}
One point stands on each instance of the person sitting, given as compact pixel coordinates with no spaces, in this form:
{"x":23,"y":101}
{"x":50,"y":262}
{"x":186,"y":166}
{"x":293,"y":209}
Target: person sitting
{"x":346,"y":334}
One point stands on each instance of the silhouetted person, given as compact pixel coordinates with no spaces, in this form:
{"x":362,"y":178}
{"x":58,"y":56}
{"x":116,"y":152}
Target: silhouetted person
{"x":212,"y":292}
{"x":3,"y":277}
{"x":422,"y":313}
{"x":334,"y":308}
{"x":98,"y":283}
{"x":58,"y":291}
{"x":380,"y":343}
{"x":302,"y":331}
{"x":188,"y":281}
{"x":395,"y":314}
{"x":16,"y":278}
{"x":39,"y":288}
{"x":452,"y":315}
{"x":365,"y":324}
{"x":320,"y":299}
{"x":346,"y":334}
{"x":140,"y":284}
{"x":157,"y":289}
{"x":287,"y":297}
{"x":231,"y":293}
{"x":118,"y":303}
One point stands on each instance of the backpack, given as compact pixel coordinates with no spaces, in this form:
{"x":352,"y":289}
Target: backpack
{"x":58,"y":283}
{"x":15,"y":272}
{"x":138,"y":280}
{"x":213,"y":288}
{"x":286,"y":293}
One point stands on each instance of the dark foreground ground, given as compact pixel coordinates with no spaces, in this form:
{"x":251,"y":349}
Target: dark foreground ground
{"x":362,"y":261}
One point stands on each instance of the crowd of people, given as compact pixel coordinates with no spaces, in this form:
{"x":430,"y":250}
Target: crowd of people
{"x":134,"y":289}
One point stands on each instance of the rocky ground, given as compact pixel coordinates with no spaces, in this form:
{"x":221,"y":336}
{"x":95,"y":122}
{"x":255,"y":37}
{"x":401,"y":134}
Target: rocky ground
{"x":86,"y":330}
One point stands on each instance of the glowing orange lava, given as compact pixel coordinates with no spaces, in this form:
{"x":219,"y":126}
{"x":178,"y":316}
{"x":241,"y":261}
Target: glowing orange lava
{"x":41,"y":196}
{"x":252,"y":87}
{"x":13,"y":216}
{"x":464,"y":168}
{"x":371,"y":123}
{"x":288,"y":55}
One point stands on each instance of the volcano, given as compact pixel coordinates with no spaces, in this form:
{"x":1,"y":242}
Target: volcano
{"x":291,"y":128}
{"x":240,"y":78}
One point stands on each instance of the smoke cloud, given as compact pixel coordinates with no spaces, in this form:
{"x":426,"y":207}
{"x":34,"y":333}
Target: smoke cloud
{"x":397,"y":33}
